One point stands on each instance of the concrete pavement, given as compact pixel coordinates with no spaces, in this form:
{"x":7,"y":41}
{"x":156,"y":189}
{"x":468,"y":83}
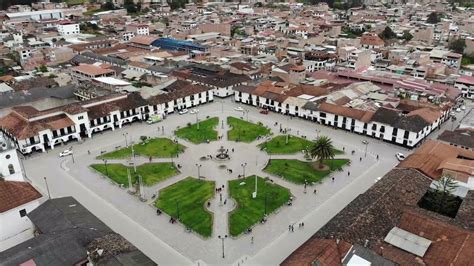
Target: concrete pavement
{"x":170,"y":244}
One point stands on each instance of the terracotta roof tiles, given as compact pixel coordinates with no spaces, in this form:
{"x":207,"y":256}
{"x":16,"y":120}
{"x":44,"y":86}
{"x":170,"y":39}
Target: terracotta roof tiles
{"x":14,"y":194}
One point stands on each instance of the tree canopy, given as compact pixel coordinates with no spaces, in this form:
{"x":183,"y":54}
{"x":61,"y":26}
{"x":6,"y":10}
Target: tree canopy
{"x":433,"y":18}
{"x":458,"y":45}
{"x":322,"y":149}
{"x":387,"y":34}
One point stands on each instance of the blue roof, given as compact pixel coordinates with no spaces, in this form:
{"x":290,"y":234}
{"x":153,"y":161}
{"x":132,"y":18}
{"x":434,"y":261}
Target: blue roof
{"x":174,"y":44}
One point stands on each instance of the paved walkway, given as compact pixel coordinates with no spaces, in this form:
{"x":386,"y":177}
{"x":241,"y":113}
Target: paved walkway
{"x":170,"y":244}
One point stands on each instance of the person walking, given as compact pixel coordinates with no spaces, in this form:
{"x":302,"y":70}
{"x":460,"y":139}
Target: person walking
{"x":348,"y":173}
{"x":251,"y":240}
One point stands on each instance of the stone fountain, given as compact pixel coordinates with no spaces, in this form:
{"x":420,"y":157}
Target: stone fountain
{"x":222,"y":155}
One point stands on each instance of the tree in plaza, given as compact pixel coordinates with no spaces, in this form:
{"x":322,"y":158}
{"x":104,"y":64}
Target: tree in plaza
{"x":322,"y":150}
{"x":458,"y":45}
{"x":387,"y":34}
{"x":433,"y":18}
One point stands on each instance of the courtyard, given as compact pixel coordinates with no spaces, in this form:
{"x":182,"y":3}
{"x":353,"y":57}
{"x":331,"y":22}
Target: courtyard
{"x":247,"y":158}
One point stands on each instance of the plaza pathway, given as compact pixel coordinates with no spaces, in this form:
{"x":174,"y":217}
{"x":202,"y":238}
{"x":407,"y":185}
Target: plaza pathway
{"x":170,"y":244}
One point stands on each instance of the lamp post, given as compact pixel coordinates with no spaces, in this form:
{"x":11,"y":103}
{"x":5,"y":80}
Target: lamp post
{"x":199,"y":169}
{"x":365,"y":152}
{"x":222,"y":238}
{"x":177,"y":209}
{"x":197,"y":120}
{"x":247,"y":113}
{"x":47,"y":187}
{"x":243,"y":168}
{"x":72,"y":156}
{"x":287,"y":132}
{"x":255,"y":192}
{"x":317,"y":133}
{"x":106,"y":170}
{"x":222,"y":105}
{"x":125,"y":136}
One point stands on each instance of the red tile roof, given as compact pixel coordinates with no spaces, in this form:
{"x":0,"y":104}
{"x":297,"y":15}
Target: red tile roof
{"x":432,"y":155}
{"x":14,"y":194}
{"x":327,"y":252}
{"x":450,"y":244}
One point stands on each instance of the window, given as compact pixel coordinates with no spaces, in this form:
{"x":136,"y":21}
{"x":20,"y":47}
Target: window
{"x":11,"y":169}
{"x":22,"y":213}
{"x":80,"y":117}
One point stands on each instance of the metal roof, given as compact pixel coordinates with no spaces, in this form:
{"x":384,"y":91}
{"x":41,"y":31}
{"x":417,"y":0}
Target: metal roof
{"x":407,"y":241}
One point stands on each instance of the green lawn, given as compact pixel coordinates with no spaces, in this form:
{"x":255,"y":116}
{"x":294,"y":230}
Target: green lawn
{"x":297,"y":171}
{"x":206,"y":131}
{"x":151,"y":173}
{"x":245,"y":131}
{"x":251,"y":211}
{"x":189,"y":197}
{"x":278,"y":145}
{"x":75,"y":2}
{"x":156,"y":147}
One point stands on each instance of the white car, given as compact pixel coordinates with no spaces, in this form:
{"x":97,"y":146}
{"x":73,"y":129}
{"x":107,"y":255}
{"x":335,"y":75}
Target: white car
{"x":240,"y":109}
{"x":194,"y":111}
{"x":184,"y":111}
{"x":65,"y":153}
{"x":458,"y":110}
{"x":400,"y":156}
{"x":463,"y":107}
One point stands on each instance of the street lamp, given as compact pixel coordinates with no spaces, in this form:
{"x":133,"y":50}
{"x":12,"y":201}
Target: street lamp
{"x":222,"y":238}
{"x":317,"y":133}
{"x":247,"y":113}
{"x":199,"y":169}
{"x":47,"y":187}
{"x":365,"y":152}
{"x":197,"y":120}
{"x":177,"y":209}
{"x":222,"y":105}
{"x":106,"y":170}
{"x":125,"y":136}
{"x":243,"y":168}
{"x":254,"y":194}
{"x":287,"y":127}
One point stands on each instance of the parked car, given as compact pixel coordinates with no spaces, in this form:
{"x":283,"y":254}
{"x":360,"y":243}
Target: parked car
{"x":463,"y":107}
{"x":458,"y":110}
{"x":184,"y":111}
{"x":154,"y":119}
{"x":240,"y":109}
{"x":400,"y":156}
{"x":65,"y":153}
{"x":194,"y":111}
{"x":264,"y":111}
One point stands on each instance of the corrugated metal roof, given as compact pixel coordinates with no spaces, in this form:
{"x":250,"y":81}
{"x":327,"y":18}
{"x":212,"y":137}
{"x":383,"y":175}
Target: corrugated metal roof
{"x":407,"y":241}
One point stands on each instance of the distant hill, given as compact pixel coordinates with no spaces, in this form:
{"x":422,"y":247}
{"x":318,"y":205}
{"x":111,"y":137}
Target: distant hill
{"x":4,"y":4}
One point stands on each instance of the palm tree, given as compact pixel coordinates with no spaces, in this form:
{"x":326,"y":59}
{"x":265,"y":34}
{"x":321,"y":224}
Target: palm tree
{"x":322,"y":150}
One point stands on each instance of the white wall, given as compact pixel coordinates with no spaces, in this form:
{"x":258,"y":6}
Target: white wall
{"x":10,"y":158}
{"x":15,"y":229}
